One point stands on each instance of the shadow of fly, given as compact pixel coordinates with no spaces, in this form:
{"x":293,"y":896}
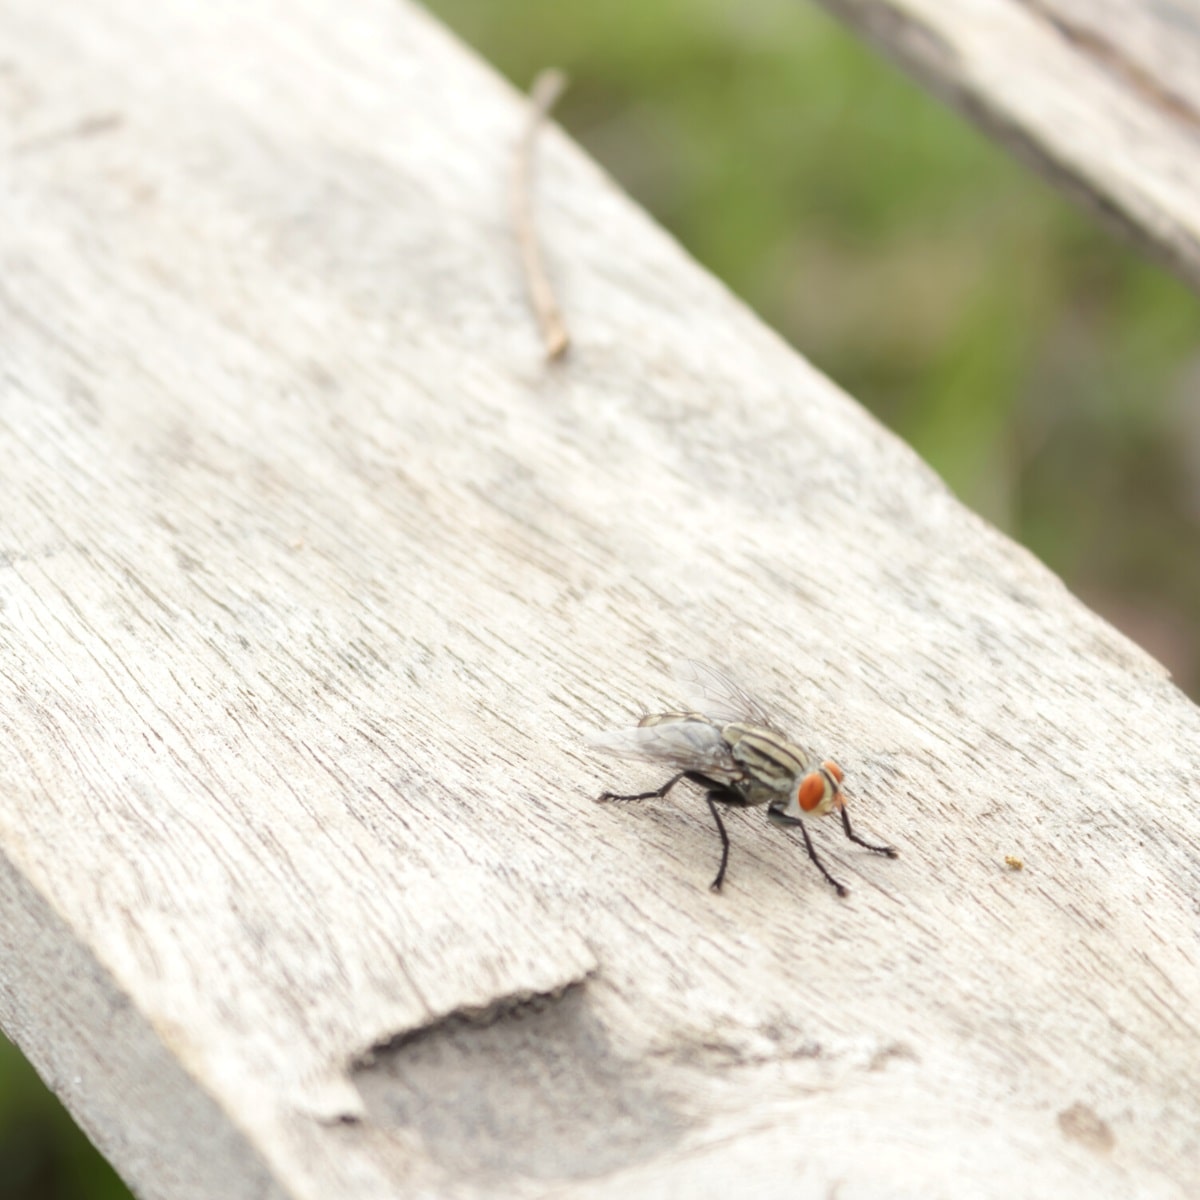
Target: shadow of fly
{"x":733,"y":751}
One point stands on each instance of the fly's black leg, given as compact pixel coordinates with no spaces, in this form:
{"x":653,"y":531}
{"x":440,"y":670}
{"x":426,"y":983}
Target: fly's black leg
{"x":712,"y":798}
{"x":724,"y":795}
{"x":658,"y":795}
{"x":890,"y":851}
{"x":837,"y":887}
{"x":781,"y":819}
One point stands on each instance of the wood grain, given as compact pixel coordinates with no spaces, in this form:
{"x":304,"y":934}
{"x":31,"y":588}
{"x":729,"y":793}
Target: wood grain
{"x":314,"y":575}
{"x":1103,"y":98}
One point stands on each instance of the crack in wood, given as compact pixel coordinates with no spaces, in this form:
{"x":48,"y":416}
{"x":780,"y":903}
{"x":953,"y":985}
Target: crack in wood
{"x":530,"y":1088}
{"x":513,"y":1004}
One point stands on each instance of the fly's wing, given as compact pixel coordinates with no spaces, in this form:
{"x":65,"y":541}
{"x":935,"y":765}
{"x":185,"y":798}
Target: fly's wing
{"x":713,"y":693}
{"x":686,"y":745}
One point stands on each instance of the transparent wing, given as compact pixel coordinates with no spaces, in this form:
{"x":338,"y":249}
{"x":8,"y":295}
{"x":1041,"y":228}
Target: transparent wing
{"x":687,"y":745}
{"x":710,"y":691}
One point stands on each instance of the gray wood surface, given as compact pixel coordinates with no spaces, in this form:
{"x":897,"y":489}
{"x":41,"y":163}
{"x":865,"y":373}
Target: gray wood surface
{"x":313,"y":575}
{"x":1101,"y":96}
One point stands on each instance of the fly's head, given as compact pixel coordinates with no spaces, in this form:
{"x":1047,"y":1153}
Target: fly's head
{"x":816,"y":792}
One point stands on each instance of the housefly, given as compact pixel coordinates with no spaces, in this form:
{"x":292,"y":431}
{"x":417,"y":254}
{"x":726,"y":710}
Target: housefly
{"x":733,"y":751}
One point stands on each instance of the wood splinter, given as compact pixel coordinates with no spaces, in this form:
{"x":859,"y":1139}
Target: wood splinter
{"x":547,"y":88}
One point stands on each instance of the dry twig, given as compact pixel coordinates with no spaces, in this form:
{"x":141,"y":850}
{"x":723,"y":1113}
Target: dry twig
{"x":547,"y":88}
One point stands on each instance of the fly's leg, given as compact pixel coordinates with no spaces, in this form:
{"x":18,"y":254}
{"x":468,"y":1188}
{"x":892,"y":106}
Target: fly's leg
{"x":658,"y":795}
{"x":725,"y":795}
{"x":890,"y":851}
{"x":712,"y":798}
{"x":837,"y":887}
{"x":781,"y":819}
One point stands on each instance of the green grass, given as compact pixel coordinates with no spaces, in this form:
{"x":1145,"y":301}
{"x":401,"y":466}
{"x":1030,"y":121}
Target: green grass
{"x":1045,"y":370}
{"x":43,"y":1155}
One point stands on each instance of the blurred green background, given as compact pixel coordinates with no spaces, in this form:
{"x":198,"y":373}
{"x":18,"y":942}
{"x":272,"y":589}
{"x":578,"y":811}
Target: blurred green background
{"x":43,"y":1156}
{"x":1047,"y":371}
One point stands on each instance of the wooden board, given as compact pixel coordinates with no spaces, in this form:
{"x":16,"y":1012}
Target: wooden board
{"x":1100,"y":96}
{"x":313,"y":576}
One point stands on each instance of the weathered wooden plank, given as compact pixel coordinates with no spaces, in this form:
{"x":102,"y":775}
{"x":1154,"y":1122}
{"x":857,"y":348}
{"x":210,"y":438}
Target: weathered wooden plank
{"x":314,"y":572}
{"x":1103,"y":98}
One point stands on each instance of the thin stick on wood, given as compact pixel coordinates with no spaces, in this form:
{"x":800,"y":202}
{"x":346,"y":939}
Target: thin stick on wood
{"x":547,"y":88}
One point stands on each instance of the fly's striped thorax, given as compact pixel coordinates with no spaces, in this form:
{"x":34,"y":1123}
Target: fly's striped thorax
{"x":772,"y":763}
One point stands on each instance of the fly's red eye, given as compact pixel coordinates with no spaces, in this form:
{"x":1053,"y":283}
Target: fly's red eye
{"x":834,"y":770}
{"x":811,"y":791}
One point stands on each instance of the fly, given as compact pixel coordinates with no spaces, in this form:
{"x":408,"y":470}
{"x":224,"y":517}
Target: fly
{"x":736,"y":754}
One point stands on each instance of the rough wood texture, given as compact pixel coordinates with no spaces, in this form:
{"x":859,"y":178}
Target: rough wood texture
{"x":1101,"y":96}
{"x":313,"y":575}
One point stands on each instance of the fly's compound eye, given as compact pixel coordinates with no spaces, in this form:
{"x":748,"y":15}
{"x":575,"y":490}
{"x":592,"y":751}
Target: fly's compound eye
{"x":834,"y":770}
{"x":811,"y":792}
